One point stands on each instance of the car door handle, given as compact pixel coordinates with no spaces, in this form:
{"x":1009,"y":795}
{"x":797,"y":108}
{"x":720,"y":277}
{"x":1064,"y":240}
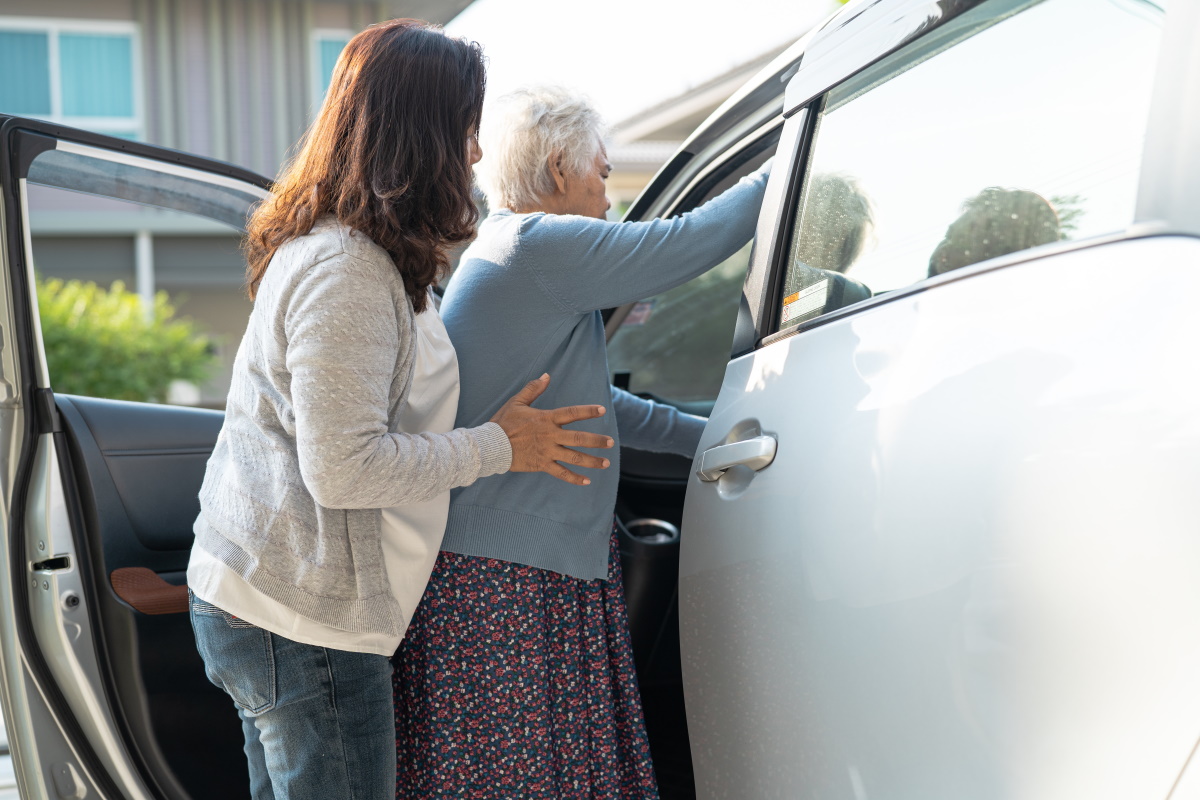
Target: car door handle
{"x":754,"y":453}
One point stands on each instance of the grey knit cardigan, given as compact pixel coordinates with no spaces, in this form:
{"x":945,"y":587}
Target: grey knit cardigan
{"x":309,"y":452}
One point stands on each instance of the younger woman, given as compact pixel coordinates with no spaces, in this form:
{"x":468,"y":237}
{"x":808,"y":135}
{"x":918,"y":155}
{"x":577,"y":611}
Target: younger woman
{"x":324,"y":502}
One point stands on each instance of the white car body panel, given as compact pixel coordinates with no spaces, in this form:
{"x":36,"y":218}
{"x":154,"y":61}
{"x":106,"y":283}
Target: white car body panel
{"x":971,"y":569}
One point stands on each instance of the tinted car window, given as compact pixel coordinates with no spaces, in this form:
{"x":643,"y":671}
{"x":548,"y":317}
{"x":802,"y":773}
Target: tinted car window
{"x":676,"y":345}
{"x":1026,"y":132}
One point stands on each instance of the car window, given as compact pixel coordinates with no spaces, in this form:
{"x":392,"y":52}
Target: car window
{"x":675,"y":345}
{"x":1027,"y":132}
{"x":140,"y":298}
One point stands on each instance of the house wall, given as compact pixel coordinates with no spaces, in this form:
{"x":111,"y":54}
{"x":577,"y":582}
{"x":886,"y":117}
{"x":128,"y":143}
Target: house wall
{"x":93,"y":9}
{"x":225,"y":313}
{"x":229,"y":79}
{"x":85,"y":258}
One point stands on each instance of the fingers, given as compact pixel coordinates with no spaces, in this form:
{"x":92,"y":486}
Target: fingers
{"x":566,"y":455}
{"x":532,"y":391}
{"x":582,"y":439}
{"x":564,"y":474}
{"x":569,"y":414}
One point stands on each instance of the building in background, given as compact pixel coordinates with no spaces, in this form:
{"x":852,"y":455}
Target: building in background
{"x":639,"y":145}
{"x":236,"y":80}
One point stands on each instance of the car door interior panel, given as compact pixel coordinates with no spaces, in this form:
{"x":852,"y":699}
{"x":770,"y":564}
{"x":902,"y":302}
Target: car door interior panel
{"x":137,"y":471}
{"x":144,"y":466}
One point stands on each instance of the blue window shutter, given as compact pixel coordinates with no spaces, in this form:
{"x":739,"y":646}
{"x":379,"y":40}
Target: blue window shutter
{"x":329,"y":50}
{"x":24,"y":72}
{"x":97,"y":75}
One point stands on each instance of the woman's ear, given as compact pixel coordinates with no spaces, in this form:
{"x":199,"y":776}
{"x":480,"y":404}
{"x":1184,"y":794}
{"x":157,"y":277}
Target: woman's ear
{"x":555,"y":163}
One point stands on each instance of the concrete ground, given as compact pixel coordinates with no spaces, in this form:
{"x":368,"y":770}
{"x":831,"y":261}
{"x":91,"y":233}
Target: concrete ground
{"x":8,"y":780}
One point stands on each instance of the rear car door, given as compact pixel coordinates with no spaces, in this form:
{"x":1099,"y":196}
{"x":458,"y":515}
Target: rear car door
{"x":104,"y":693}
{"x":939,"y":540}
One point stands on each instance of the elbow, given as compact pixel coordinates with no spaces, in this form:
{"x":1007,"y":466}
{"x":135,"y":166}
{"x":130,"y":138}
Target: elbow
{"x":332,"y":487}
{"x":328,"y":495}
{"x":336,"y":472}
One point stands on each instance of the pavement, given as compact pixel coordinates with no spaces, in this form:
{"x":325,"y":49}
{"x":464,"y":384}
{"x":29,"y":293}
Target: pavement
{"x":8,"y":779}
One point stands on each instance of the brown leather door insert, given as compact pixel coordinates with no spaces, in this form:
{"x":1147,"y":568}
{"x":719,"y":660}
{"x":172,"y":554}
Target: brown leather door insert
{"x":148,"y":593}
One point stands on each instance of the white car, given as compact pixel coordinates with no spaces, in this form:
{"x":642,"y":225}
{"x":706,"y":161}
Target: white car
{"x":942,"y":536}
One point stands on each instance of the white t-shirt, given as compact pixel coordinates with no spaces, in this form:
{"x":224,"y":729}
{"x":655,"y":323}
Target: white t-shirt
{"x":412,"y":534}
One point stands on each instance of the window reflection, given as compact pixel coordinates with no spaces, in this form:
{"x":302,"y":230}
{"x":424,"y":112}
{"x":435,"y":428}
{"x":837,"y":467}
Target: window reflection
{"x":994,"y":223}
{"x":841,"y":221}
{"x":838,"y":227}
{"x":919,"y":163}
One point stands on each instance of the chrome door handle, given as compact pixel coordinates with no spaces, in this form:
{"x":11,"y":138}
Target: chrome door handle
{"x":754,"y":453}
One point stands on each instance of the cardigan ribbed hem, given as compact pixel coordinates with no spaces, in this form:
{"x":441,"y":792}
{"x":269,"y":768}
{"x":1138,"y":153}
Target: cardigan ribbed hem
{"x":495,"y":451}
{"x":526,"y":539}
{"x":380,"y":614}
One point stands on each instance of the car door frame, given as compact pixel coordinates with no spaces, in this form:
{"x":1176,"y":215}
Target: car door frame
{"x":61,"y":736}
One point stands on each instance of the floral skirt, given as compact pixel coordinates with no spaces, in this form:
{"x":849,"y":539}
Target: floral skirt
{"x":516,"y":682}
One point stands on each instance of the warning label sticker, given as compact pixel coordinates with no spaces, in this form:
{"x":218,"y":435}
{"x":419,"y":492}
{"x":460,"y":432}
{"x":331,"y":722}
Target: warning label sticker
{"x":805,"y":303}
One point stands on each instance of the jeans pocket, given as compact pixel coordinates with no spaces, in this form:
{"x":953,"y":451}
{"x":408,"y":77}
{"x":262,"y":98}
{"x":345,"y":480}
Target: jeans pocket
{"x":238,"y":658}
{"x":199,"y":606}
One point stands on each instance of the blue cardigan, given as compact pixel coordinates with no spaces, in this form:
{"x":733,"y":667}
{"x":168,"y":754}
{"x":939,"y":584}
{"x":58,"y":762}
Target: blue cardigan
{"x":526,"y":299}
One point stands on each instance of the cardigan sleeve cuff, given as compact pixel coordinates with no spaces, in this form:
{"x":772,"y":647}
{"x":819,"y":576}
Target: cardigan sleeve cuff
{"x":495,"y":452}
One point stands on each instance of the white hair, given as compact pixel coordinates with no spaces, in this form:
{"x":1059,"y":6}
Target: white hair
{"x":522,"y":131}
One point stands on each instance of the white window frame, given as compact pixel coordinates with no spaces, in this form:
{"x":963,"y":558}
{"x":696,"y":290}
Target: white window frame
{"x":53,"y":27}
{"x":321,"y":35}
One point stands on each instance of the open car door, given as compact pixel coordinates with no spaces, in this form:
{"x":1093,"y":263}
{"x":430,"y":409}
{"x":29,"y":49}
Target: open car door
{"x":104,"y":694}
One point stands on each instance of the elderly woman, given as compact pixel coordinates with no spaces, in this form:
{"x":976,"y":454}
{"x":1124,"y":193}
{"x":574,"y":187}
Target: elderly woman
{"x":516,"y":678}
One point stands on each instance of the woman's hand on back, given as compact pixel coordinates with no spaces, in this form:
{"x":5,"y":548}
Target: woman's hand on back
{"x":539,"y":441}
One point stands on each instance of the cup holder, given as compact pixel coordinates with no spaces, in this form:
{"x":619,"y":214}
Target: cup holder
{"x":652,"y":531}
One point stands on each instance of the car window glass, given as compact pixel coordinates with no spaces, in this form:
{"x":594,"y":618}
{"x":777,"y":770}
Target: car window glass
{"x":675,"y":345}
{"x":137,"y":300}
{"x":1028,"y":132}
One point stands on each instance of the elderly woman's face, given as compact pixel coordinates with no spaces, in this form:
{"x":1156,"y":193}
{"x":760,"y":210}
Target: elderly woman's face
{"x":584,"y":194}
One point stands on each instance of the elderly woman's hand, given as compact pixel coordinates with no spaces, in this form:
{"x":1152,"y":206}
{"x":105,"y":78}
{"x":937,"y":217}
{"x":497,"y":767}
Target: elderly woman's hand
{"x":539,"y":441}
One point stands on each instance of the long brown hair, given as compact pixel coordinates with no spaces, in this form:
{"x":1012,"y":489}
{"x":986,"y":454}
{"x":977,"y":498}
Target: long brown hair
{"x":387,"y":154}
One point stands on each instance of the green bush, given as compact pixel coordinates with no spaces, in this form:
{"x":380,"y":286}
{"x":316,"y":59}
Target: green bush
{"x":101,"y":343}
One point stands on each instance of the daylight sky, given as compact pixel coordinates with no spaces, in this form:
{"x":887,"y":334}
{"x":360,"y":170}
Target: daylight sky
{"x":627,"y":55}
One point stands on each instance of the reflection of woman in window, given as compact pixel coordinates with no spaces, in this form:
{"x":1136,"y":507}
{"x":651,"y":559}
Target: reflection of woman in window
{"x":521,"y":642}
{"x":993,"y":223}
{"x":838,"y":222}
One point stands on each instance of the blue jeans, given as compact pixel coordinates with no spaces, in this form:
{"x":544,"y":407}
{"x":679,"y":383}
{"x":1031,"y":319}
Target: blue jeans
{"x":319,"y":723}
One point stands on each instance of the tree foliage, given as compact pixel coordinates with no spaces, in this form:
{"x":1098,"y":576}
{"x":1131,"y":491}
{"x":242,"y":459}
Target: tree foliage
{"x":1070,"y":210}
{"x":101,"y":342}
